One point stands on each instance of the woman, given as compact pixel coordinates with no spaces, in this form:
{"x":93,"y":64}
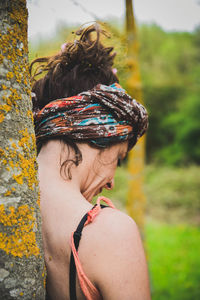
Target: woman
{"x":85,"y":124}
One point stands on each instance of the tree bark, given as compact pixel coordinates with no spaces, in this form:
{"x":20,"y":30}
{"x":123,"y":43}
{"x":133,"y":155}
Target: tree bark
{"x":136,"y":199}
{"x":22,"y":272}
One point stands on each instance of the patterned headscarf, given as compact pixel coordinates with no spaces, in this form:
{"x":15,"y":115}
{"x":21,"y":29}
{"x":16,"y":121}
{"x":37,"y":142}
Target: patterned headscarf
{"x":102,"y":115}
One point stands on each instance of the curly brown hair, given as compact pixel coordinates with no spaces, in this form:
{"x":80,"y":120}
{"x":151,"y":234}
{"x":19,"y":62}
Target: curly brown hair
{"x":78,"y":67}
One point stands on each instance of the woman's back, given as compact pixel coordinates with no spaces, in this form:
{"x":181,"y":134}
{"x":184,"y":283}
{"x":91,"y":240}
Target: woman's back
{"x":59,"y":220}
{"x":110,"y":246}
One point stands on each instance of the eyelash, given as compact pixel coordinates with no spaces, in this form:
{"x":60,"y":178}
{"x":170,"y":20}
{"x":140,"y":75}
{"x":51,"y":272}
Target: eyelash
{"x":119,"y":162}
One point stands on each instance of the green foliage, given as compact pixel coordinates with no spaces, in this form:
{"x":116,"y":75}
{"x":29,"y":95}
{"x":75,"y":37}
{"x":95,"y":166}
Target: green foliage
{"x":173,"y":194}
{"x":160,"y":101}
{"x":165,"y":58}
{"x":184,"y":127}
{"x":174,"y":265}
{"x":170,"y":70}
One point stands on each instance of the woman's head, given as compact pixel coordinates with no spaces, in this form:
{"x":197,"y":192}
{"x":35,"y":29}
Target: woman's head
{"x":101,"y":115}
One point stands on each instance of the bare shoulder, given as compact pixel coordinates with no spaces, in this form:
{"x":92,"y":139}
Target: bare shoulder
{"x":117,"y":259}
{"x":112,"y":229}
{"x":113,"y":226}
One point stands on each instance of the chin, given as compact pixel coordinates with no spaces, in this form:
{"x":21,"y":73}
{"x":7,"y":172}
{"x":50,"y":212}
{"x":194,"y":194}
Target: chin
{"x":89,"y":200}
{"x":98,"y":192}
{"x":90,"y":197}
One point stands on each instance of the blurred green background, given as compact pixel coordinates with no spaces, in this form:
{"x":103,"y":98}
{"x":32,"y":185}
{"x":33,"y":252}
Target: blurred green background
{"x":170,"y":71}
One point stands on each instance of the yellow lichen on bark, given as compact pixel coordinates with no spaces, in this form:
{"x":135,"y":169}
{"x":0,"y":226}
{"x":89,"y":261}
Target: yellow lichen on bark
{"x":17,"y":157}
{"x":27,"y":164}
{"x":13,"y":48}
{"x":11,"y":101}
{"x":22,"y":240}
{"x":30,"y":115}
{"x":1,"y":117}
{"x":8,"y":193}
{"x":18,"y":178}
{"x":18,"y":16}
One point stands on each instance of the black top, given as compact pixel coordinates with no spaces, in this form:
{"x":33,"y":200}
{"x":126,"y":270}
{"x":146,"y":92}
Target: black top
{"x":72,"y":271}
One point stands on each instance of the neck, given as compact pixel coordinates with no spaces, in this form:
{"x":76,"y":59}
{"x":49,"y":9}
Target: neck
{"x":53,"y":184}
{"x":50,"y":160}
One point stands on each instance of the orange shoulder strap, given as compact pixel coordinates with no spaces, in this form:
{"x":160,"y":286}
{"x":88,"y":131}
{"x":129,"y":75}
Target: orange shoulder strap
{"x":89,"y":290}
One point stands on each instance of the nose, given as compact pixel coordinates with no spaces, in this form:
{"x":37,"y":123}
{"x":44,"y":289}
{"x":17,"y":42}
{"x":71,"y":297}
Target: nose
{"x":109,"y":185}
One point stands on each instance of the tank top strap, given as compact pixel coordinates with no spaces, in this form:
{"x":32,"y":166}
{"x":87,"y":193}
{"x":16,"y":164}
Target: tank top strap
{"x":91,"y":215}
{"x":89,"y":290}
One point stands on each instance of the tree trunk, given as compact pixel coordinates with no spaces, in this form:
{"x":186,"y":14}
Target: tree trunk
{"x":22,"y":270}
{"x":136,"y":198}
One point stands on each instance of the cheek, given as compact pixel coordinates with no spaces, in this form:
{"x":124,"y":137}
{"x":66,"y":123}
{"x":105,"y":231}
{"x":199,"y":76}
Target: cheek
{"x":106,"y":165}
{"x":109,"y":170}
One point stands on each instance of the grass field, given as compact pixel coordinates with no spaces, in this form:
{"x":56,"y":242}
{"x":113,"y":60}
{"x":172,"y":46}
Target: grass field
{"x":174,"y":263}
{"x":172,"y":231}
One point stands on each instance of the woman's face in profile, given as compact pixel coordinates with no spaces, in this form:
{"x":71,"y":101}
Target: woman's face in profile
{"x":103,"y":171}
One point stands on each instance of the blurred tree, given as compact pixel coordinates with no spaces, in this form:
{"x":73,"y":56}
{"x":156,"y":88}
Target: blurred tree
{"x":170,"y":74}
{"x":21,"y":264}
{"x":184,"y":127}
{"x":135,"y":199}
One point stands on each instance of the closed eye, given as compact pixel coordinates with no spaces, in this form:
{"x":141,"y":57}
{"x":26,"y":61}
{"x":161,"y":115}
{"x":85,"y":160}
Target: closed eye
{"x":119,"y":162}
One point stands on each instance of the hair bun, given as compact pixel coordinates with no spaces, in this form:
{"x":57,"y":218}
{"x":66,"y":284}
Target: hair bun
{"x":80,"y":65}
